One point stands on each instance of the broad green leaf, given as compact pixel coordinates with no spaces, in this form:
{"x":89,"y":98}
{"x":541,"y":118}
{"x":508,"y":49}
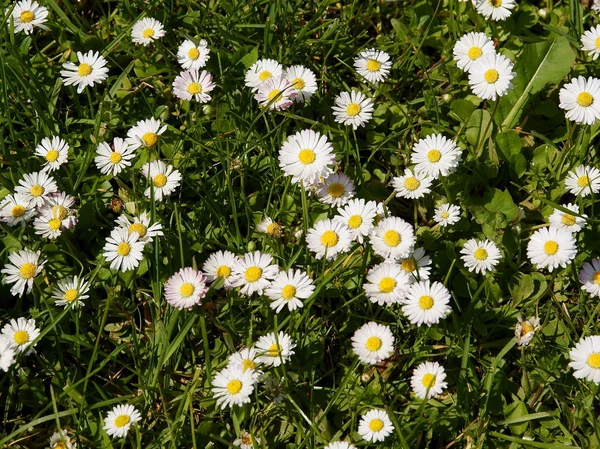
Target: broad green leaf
{"x":508,"y":143}
{"x":478,"y":124}
{"x":516,"y":410}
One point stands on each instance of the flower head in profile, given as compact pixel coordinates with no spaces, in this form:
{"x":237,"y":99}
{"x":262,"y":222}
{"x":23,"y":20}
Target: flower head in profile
{"x":147,"y":30}
{"x":90,"y":69}
{"x":525,"y":330}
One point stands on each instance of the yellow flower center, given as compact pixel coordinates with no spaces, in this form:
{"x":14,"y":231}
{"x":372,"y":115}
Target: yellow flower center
{"x":387,"y":284}
{"x":288,"y":292}
{"x":355,"y":221}
{"x":253,"y":274}
{"x":495,"y":3}
{"x":234,"y":386}
{"x":223,"y":271}
{"x":264,"y":75}
{"x":408,"y":265}
{"x":54,"y":224}
{"x":445,"y":214}
{"x":17,"y":211}
{"x":526,"y":327}
{"x":246,"y":438}
{"x":411,"y":184}
{"x":59,"y":445}
{"x":392,"y":238}
{"x":21,"y":337}
{"x":51,"y":155}
{"x":150,"y":138}
{"x":568,"y":220}
{"x":27,"y":16}
{"x":585,"y":99}
{"x":248,"y":364}
{"x":335,"y":190}
{"x":28,"y":270}
{"x":583,"y":181}
{"x":193,"y":54}
{"x":194,"y":88}
{"x":376,"y":425}
{"x":551,"y":247}
{"x":71,"y":295}
{"x":186,"y":290}
{"x":426,"y":302}
{"x":274,"y":230}
{"x":160,"y":180}
{"x":491,"y":76}
{"x":298,"y":83}
{"x":594,"y":360}
{"x":122,"y":420}
{"x":307,"y":156}
{"x":36,"y":190}
{"x":115,"y":157}
{"x":329,"y":239}
{"x":353,"y":109}
{"x":274,"y":94}
{"x":139,"y":228}
{"x":373,"y":65}
{"x":123,"y":249}
{"x":474,"y":53}
{"x":59,"y":211}
{"x":274,"y":350}
{"x":434,"y":155}
{"x":480,"y":254}
{"x":428,"y":380}
{"x":373,"y":344}
{"x":84,"y":69}
{"x":148,"y":32}
{"x":597,"y":277}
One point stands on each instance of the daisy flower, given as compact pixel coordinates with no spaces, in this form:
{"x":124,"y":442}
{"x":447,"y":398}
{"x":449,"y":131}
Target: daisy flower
{"x":147,"y":30}
{"x":113,"y":160}
{"x":392,"y":238}
{"x":164,"y":178}
{"x":353,"y":109}
{"x":373,"y":343}
{"x":447,"y":214}
{"x":274,"y":349}
{"x":525,"y":330}
{"x":27,"y":15}
{"x":55,"y":152}
{"x":581,"y":100}
{"x":435,"y":156}
{"x":7,"y":353}
{"x":590,"y":41}
{"x":142,"y":225}
{"x":36,"y":187}
{"x":428,"y":380}
{"x":551,"y":248}
{"x":585,"y":358}
{"x":340,"y":445}
{"x":48,"y":223}
{"x":373,"y":65}
{"x":190,"y":85}
{"x":358,"y":215}
{"x":21,"y":333}
{"x":568,"y":221}
{"x":386,"y":284}
{"x":490,"y":76}
{"x":269,"y":227}
{"x":123,"y":250}
{"x":191,"y":56}
{"x":16,"y":208}
{"x":328,"y":238}
{"x":426,"y":303}
{"x":220,"y":265}
{"x":589,"y":277}
{"x":261,"y":71}
{"x":470,"y":48}
{"x":275,"y":93}
{"x":584,"y":180}
{"x":186,"y":288}
{"x":375,"y":426}
{"x":254,"y":272}
{"x":90,"y":69}
{"x":289,"y":289}
{"x":412,"y":185}
{"x":120,"y":419}
{"x":145,"y":133}
{"x":480,"y":256}
{"x":70,"y":292}
{"x":24,"y":266}
{"x":336,"y":189}
{"x":246,"y":359}
{"x":303,"y":82}
{"x":246,"y":440}
{"x":233,"y":386}
{"x":60,"y":205}
{"x":595,"y":5}
{"x":416,"y":265}
{"x":495,"y":9}
{"x":306,"y":156}
{"x":60,"y":440}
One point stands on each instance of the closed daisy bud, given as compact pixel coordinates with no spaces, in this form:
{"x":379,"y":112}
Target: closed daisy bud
{"x":120,"y":419}
{"x":583,"y":181}
{"x":428,"y":380}
{"x":480,"y":256}
{"x":585,"y":359}
{"x":491,"y":75}
{"x":191,"y":56}
{"x":91,"y":69}
{"x":375,"y":426}
{"x":373,"y":65}
{"x":191,"y":85}
{"x":147,"y":30}
{"x":24,"y":266}
{"x":55,"y":152}
{"x":21,"y":333}
{"x":28,"y":15}
{"x":470,"y":48}
{"x":233,"y":386}
{"x":353,"y":109}
{"x":589,"y":277}
{"x":186,"y":288}
{"x":581,"y":100}
{"x":274,"y":350}
{"x":373,"y":343}
{"x":525,"y":330}
{"x":551,"y":248}
{"x":114,"y":160}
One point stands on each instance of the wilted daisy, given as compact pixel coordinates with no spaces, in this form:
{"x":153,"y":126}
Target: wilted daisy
{"x":435,"y":156}
{"x":525,"y":330}
{"x":220,"y":265}
{"x":495,"y":9}
{"x":303,"y":82}
{"x":164,"y":178}
{"x":412,"y":185}
{"x":589,"y":277}
{"x":123,"y":250}
{"x":551,"y":248}
{"x":373,"y":343}
{"x":375,"y":426}
{"x":147,"y":30}
{"x":572,"y":221}
{"x":386,"y":284}
{"x":328,"y":238}
{"x":233,"y":386}
{"x":141,"y":224}
{"x":21,"y":333}
{"x":273,"y":350}
{"x":192,"y":56}
{"x":254,"y":272}
{"x":7,"y":353}
{"x":27,"y":15}
{"x":70,"y":292}
{"x":340,"y":445}
{"x":24,"y":266}
{"x":186,"y":288}
{"x":373,"y":65}
{"x":275,"y":93}
{"x":470,"y":48}
{"x":447,"y":214}
{"x":416,"y":265}
{"x":289,"y":288}
{"x":60,"y":205}
{"x":590,"y":41}
{"x":584,"y":180}
{"x":246,"y":441}
{"x":190,"y":85}
{"x":336,"y":189}
{"x":274,"y":388}
{"x":358,"y":215}
{"x":145,"y":133}
{"x":480,"y":256}
{"x":269,"y":227}
{"x":585,"y":358}
{"x":36,"y":187}
{"x":15,"y":209}
{"x":306,"y":156}
{"x":490,"y":76}
{"x":90,"y":69}
{"x":55,"y":152}
{"x":113,"y":160}
{"x":246,"y":359}
{"x":428,"y":380}
{"x":393,"y":238}
{"x":426,"y":303}
{"x":353,"y":109}
{"x":261,"y":71}
{"x":581,"y":100}
{"x":60,"y":440}
{"x":120,"y":419}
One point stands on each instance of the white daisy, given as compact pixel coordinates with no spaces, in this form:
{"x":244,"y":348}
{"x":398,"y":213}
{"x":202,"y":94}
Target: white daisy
{"x":55,"y":152}
{"x":70,"y":292}
{"x":595,"y":5}
{"x":353,"y":109}
{"x":386,"y":284}
{"x":447,"y":214}
{"x":145,"y":133}
{"x":412,"y":185}
{"x":303,"y":82}
{"x":273,"y":350}
{"x":16,"y":208}
{"x":60,"y":205}
{"x":589,"y":277}
{"x":572,"y":221}
{"x":190,"y":85}
{"x":142,"y":225}
{"x":254,"y":272}
{"x":581,"y":100}
{"x":336,"y":189}
{"x":120,"y":419}
{"x":358,"y":215}
{"x":191,"y":56}
{"x":426,"y":303}
{"x":340,"y":445}
{"x":551,"y":248}
{"x":289,"y":289}
{"x":306,"y":156}
{"x":373,"y":65}
{"x":480,"y":256}
{"x":91,"y":69}
{"x":416,"y":265}
{"x":393,"y":238}
{"x":114,"y":160}
{"x":584,"y":180}
{"x":246,"y":441}
{"x":146,"y":30}
{"x":21,"y":333}
{"x":246,"y":359}
{"x":269,"y":227}
{"x":328,"y":238}
{"x":495,"y":9}
{"x":36,"y":187}
{"x":428,"y":380}
{"x":48,"y":223}
{"x":275,"y":93}
{"x":123,"y":250}
{"x":60,"y":440}
{"x":590,"y":41}
{"x":186,"y":288}
{"x":525,"y":330}
{"x":585,"y":358}
{"x":375,"y":426}
{"x":27,"y":15}
{"x":490,"y":76}
{"x":165,"y":179}
{"x":24,"y":266}
{"x":220,"y":265}
{"x":261,"y":71}
{"x":373,"y":343}
{"x":233,"y":386}
{"x":7,"y":353}
{"x":436,"y":156}
{"x":470,"y":48}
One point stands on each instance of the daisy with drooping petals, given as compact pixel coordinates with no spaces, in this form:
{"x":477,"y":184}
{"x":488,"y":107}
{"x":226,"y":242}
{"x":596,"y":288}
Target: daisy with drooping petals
{"x":142,"y":225}
{"x":328,"y":238}
{"x":261,"y":71}
{"x":289,"y":289}
{"x":15,"y":209}
{"x":145,"y":133}
{"x":435,"y":156}
{"x":551,"y":248}
{"x":589,"y":277}
{"x":480,"y":256}
{"x":426,"y":303}
{"x":254,"y":272}
{"x":120,"y":419}
{"x":336,"y":189}
{"x":353,"y":109}
{"x":113,"y":160}
{"x":572,"y":221}
{"x":375,"y":426}
{"x":340,"y":445}
{"x":495,"y":9}
{"x":470,"y":48}
{"x":91,"y":69}
{"x":373,"y":65}
{"x":164,"y":178}
{"x":24,"y":266}
{"x":220,"y":265}
{"x":147,"y":30}
{"x":303,"y":82}
{"x":270,"y":227}
{"x":190,"y":85}
{"x":7,"y":353}
{"x":584,"y":181}
{"x":246,"y":359}
{"x":275,"y":93}
{"x":274,"y":349}
{"x":358,"y":215}
{"x":60,"y":205}
{"x":70,"y":292}
{"x":27,"y":15}
{"x":581,"y":100}
{"x":447,"y":214}
{"x":525,"y":330}
{"x":416,"y":265}
{"x":186,"y":288}
{"x":393,"y":238}
{"x":373,"y":343}
{"x":191,"y":56}
{"x":585,"y":359}
{"x":233,"y":386}
{"x":123,"y":250}
{"x":246,"y":440}
{"x":428,"y":380}
{"x":55,"y":152}
{"x":412,"y":185}
{"x":60,"y":440}
{"x":386,"y":284}
{"x":36,"y":187}
{"x":491,"y":75}
{"x":306,"y":156}
{"x":21,"y":333}
{"x":590,"y":41}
